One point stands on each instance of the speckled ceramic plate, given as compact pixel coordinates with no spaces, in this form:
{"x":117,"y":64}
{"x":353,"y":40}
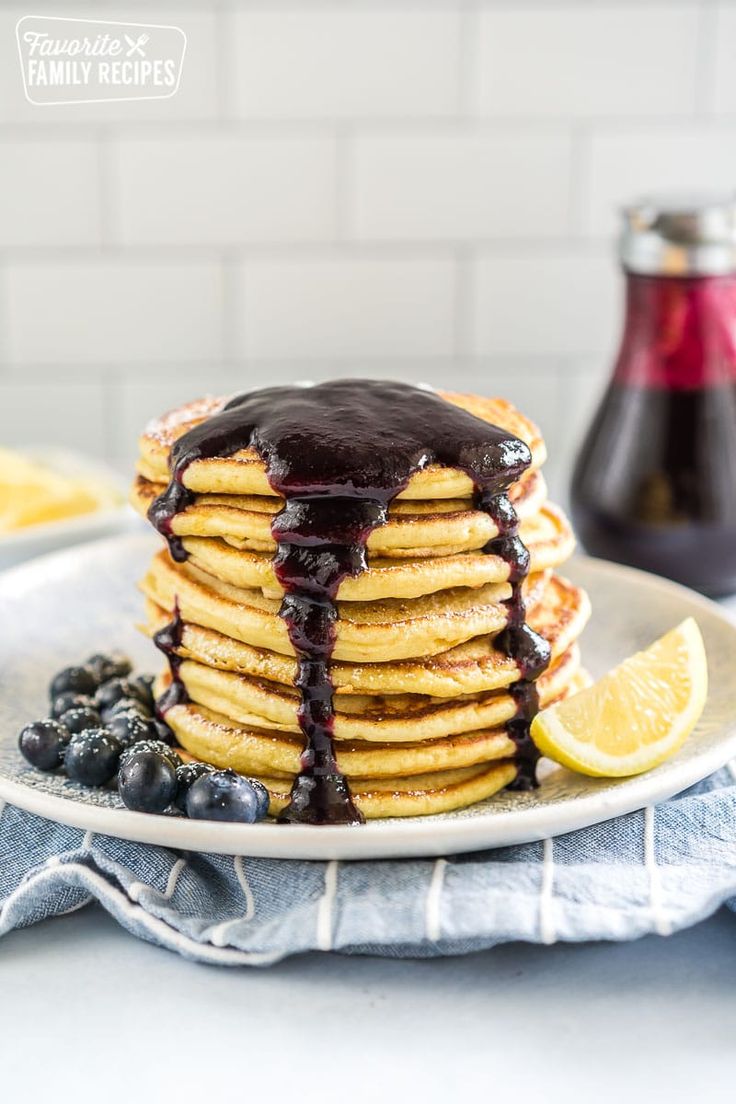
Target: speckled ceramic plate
{"x":58,"y":609}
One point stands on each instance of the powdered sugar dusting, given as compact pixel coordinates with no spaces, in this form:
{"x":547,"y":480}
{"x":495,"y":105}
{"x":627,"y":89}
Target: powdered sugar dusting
{"x":167,"y":427}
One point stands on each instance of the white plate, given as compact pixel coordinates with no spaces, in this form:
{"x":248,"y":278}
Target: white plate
{"x":39,"y":540}
{"x":56,"y":610}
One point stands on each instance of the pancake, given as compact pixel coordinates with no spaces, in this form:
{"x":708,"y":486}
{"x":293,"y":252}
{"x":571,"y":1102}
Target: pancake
{"x":213,"y":738}
{"x":548,"y":538}
{"x":383,"y":578}
{"x":388,"y":718}
{"x":413,"y":529}
{"x":422,"y":795}
{"x":417,"y":702}
{"x":547,"y":535}
{"x":419,"y":795}
{"x":245,"y":471}
{"x":371,"y":632}
{"x":558,"y":610}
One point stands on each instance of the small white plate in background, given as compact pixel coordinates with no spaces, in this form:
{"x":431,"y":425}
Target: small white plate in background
{"x":36,"y":540}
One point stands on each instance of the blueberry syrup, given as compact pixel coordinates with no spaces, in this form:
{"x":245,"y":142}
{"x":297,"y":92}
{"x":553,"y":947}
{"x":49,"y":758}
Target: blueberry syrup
{"x":339,"y":453}
{"x":168,"y":641}
{"x":518,"y":640}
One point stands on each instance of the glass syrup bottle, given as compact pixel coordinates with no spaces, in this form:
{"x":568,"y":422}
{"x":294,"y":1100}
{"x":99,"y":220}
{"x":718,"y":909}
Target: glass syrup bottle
{"x":654,"y":484}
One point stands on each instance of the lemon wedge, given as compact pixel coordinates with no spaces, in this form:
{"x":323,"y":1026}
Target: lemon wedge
{"x":636,"y":716}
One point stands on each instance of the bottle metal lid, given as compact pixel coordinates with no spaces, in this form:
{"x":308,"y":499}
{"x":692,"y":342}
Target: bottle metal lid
{"x":680,"y":235}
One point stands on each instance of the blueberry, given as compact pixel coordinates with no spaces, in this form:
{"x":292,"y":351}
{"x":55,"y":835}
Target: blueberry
{"x":111,"y":692}
{"x":147,"y":779}
{"x":186,"y":775}
{"x":43,"y":744}
{"x":263,"y":796}
{"x":126,"y":705}
{"x":69,"y":700}
{"x":92,"y":757}
{"x":153,"y":745}
{"x":222,"y":795}
{"x":78,"y":680}
{"x":130,"y":727}
{"x":106,"y":667}
{"x":144,"y":685}
{"x":81,"y":717}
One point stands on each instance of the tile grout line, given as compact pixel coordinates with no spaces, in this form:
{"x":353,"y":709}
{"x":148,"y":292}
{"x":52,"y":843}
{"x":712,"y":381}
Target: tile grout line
{"x":463,"y":323}
{"x":231,"y":287}
{"x":468,"y":78}
{"x":111,"y":387}
{"x":579,"y":185}
{"x":105,"y":178}
{"x":344,"y":180}
{"x":224,"y":83}
{"x":386,"y":249}
{"x":706,"y":39}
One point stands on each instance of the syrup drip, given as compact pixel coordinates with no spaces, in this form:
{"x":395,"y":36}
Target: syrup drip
{"x":339,"y":453}
{"x":168,"y":641}
{"x":518,"y":640}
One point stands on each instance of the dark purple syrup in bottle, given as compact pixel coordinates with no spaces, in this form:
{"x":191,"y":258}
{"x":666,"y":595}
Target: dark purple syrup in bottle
{"x":654,"y":485}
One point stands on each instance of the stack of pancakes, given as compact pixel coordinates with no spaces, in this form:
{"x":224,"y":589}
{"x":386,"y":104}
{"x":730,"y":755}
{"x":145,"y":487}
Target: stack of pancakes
{"x":422,"y":697}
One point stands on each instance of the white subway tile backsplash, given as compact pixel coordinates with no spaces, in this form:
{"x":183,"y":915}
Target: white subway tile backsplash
{"x":582,"y":383}
{"x":136,"y":402}
{"x":337,"y":307}
{"x":113,"y":311}
{"x":575,"y":61}
{"x":423,"y":190}
{"x":54,"y":412}
{"x":544,"y":305}
{"x":625,"y":165}
{"x":223,"y":189}
{"x":460,"y":185}
{"x":723,"y":77}
{"x":49,"y":193}
{"x":534,"y":386}
{"x":344,"y":64}
{"x":450,"y":371}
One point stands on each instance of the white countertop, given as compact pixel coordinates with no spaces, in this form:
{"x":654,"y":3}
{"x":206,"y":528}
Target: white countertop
{"x":90,"y":1013}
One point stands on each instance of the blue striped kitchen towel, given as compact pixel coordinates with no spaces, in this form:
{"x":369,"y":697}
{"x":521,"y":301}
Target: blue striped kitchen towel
{"x":657,"y":870}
